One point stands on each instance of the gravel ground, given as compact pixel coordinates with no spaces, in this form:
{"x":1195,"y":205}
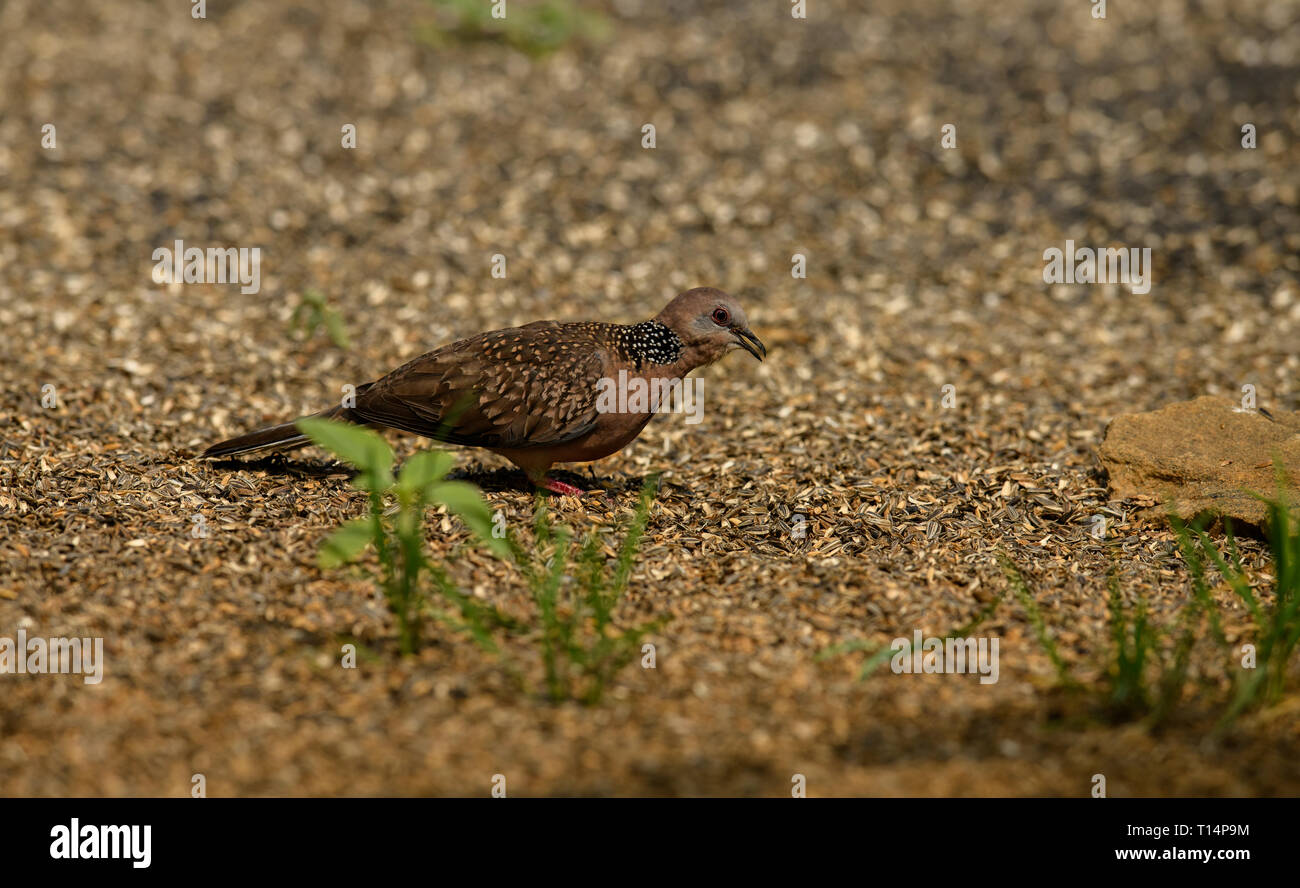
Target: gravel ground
{"x":773,"y":137}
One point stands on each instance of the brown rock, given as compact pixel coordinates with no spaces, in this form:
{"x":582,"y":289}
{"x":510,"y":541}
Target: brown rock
{"x":1205,"y":455}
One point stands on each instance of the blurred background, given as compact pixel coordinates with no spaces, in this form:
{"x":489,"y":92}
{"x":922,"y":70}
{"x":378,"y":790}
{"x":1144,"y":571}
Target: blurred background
{"x":773,"y":136}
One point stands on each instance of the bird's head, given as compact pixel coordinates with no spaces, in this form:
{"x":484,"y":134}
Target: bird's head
{"x":710,"y":323}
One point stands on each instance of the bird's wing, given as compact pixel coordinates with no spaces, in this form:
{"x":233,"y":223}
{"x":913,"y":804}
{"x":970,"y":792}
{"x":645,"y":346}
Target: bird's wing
{"x":521,"y":387}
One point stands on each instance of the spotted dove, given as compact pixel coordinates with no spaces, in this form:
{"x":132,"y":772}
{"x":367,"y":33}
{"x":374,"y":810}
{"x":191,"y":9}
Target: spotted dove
{"x":531,"y":393}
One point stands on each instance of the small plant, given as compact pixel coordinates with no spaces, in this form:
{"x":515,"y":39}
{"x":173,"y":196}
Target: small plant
{"x":1277,"y":626}
{"x":313,"y":312}
{"x":1041,"y":632}
{"x":1133,"y":644}
{"x":882,"y":653}
{"x":535,"y":28}
{"x":1147,"y":665}
{"x":1144,"y":675}
{"x":397,"y":537}
{"x":581,"y":647}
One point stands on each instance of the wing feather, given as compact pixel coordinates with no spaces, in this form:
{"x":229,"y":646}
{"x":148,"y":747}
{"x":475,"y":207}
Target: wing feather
{"x":528,"y":386}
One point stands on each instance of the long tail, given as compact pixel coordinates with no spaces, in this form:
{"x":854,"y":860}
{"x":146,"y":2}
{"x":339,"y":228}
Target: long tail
{"x":278,"y":437}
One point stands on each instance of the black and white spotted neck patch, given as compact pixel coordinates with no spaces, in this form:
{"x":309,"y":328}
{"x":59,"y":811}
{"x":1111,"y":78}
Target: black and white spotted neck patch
{"x":649,"y":341}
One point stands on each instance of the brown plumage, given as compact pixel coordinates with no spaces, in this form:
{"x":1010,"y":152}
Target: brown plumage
{"x":531,"y":393}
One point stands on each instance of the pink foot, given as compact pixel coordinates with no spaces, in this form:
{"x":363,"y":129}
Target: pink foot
{"x":561,"y":488}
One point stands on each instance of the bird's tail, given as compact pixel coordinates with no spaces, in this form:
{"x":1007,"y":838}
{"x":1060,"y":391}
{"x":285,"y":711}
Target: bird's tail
{"x":278,"y":437}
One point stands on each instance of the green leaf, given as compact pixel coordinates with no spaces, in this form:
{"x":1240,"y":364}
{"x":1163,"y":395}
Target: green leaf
{"x":463,"y":499}
{"x":334,"y":326}
{"x":346,"y":543}
{"x":424,"y":469}
{"x":364,"y":449}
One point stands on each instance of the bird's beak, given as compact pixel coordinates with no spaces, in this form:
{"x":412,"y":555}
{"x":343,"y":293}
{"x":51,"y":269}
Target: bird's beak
{"x":750,"y":343}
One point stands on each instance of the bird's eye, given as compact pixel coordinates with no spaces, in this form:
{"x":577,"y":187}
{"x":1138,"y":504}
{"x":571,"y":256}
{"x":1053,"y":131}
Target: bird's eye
{"x":721,"y":316}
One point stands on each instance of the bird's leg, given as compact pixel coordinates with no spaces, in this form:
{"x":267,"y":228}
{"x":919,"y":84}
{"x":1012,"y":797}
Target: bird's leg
{"x":537,"y":475}
{"x":561,"y":488}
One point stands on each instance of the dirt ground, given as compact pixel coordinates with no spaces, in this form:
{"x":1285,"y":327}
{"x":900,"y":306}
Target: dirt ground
{"x":774,"y":137}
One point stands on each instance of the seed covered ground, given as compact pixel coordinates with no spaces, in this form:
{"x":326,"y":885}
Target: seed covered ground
{"x":828,"y":495}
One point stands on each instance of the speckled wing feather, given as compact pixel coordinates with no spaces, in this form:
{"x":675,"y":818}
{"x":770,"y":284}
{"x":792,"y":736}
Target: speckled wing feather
{"x":528,"y":386}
